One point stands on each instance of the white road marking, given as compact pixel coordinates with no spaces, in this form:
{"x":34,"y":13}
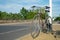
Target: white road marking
{"x":13,"y":31}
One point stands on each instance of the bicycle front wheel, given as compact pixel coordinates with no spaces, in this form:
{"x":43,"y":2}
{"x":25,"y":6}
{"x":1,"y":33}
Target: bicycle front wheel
{"x":35,"y":26}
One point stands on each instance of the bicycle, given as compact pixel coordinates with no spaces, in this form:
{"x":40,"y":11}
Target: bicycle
{"x":37,"y":24}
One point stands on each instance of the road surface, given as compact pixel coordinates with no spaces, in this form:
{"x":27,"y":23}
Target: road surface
{"x":11,"y":32}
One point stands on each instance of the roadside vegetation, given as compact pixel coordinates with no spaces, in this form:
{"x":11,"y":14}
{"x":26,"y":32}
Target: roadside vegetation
{"x":57,"y":18}
{"x":24,"y":14}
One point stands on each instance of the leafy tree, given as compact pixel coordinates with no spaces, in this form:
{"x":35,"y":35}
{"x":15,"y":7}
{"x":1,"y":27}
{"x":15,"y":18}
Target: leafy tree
{"x":42,"y":11}
{"x":24,"y":12}
{"x":57,"y":18}
{"x":0,"y":15}
{"x":33,"y":7}
{"x":30,"y":15}
{"x":9,"y":16}
{"x":3,"y":15}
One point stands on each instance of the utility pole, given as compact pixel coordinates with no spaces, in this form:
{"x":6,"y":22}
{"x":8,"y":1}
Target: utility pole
{"x":50,"y":14}
{"x":49,"y":9}
{"x":50,"y":4}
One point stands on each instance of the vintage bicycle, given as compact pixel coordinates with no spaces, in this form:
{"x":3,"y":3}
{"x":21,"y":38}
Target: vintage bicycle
{"x":37,"y":23}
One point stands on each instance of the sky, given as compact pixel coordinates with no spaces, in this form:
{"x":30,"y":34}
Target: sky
{"x":56,"y":8}
{"x":15,"y":5}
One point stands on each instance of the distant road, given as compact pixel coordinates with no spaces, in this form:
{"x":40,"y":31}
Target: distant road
{"x":11,"y":32}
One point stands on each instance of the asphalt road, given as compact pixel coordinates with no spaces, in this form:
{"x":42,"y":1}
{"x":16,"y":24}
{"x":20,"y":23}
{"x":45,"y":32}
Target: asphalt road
{"x":11,"y":32}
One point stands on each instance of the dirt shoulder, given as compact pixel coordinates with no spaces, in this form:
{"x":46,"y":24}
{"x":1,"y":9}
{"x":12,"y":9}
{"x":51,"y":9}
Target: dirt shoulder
{"x":15,"y":23}
{"x":42,"y":36}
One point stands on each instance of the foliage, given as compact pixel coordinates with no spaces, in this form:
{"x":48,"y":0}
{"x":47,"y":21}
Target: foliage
{"x":57,"y":18}
{"x":30,"y":14}
{"x":9,"y":16}
{"x":23,"y":14}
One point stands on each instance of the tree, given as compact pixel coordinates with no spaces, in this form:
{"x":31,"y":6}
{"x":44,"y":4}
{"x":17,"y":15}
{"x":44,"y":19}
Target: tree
{"x":43,"y":14}
{"x":33,"y":7}
{"x":30,"y":14}
{"x":4,"y":15}
{"x":24,"y":13}
{"x":0,"y":15}
{"x":57,"y":18}
{"x":9,"y":16}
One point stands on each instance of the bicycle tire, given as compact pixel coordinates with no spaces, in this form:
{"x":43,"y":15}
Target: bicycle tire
{"x":35,"y":26}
